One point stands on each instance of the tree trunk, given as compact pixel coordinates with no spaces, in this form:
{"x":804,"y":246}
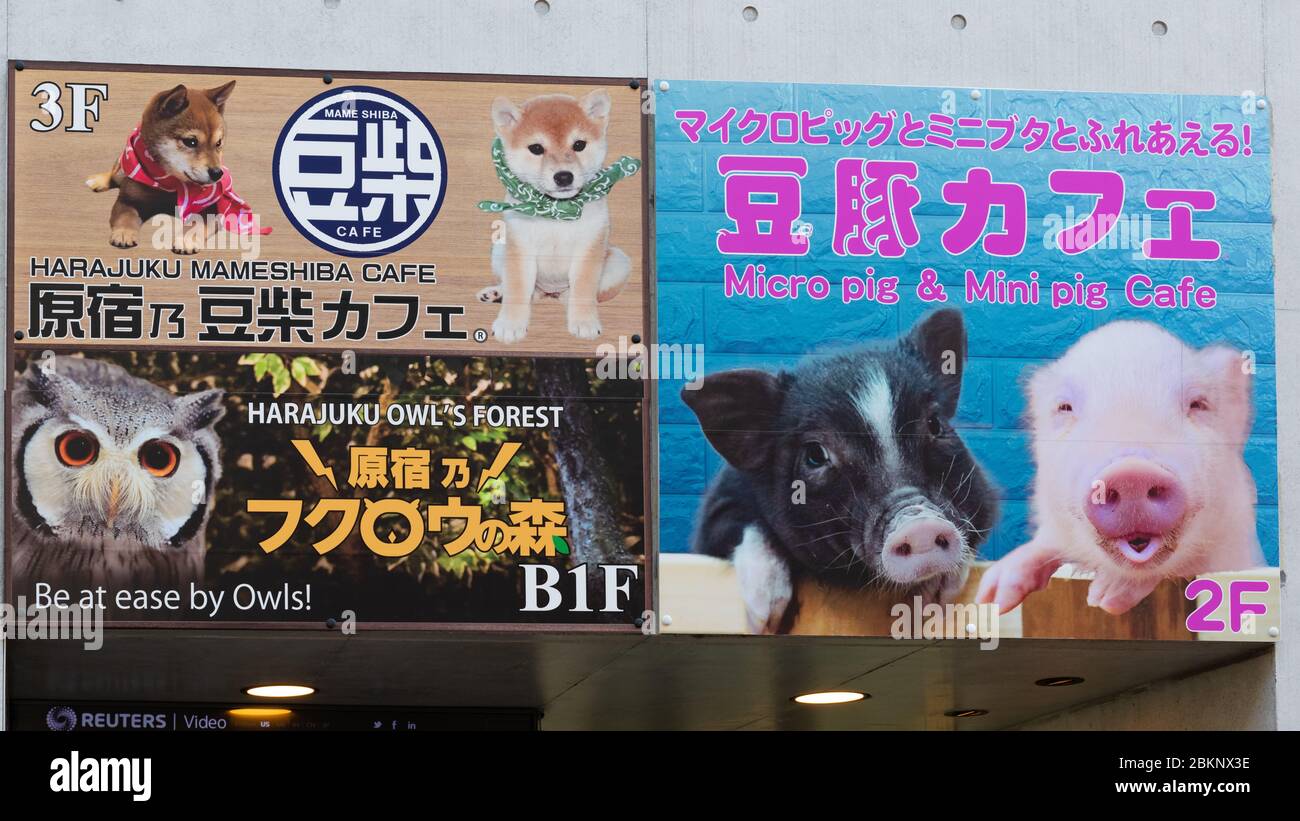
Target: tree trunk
{"x":590,"y":496}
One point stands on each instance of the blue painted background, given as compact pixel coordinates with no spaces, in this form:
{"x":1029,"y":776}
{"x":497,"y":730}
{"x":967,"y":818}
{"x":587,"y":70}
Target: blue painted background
{"x":1003,"y":340}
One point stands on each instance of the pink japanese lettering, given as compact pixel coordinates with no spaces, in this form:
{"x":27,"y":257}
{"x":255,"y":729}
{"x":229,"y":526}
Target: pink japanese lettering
{"x":762,"y":191}
{"x":873,"y":207}
{"x":1107,"y":187}
{"x":977,"y":196}
{"x":1180,"y":244}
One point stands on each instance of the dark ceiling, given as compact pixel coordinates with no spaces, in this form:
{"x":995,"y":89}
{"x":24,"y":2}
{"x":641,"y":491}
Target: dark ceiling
{"x":626,"y":681}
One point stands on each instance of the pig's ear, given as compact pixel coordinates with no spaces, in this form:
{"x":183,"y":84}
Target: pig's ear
{"x":940,"y":339}
{"x":736,"y":410}
{"x":1225,"y":383}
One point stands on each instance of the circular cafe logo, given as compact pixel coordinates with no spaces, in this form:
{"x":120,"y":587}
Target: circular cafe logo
{"x":61,"y":718}
{"x":360,"y":171}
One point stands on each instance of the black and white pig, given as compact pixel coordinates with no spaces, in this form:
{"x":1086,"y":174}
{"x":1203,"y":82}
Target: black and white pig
{"x":847,"y":469}
{"x":1138,"y":443}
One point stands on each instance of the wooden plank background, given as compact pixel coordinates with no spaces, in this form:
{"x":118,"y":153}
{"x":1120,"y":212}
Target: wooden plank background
{"x":701,"y":595}
{"x":56,"y":215}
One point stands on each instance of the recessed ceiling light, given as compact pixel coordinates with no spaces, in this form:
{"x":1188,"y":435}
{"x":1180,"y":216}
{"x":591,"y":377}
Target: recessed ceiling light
{"x":967,"y":713}
{"x":279,"y":690}
{"x":830,"y":697}
{"x":260,"y":712}
{"x":1059,"y":681}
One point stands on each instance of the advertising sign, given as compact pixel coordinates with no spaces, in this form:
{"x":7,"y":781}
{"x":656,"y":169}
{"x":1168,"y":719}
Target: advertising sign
{"x":926,"y":363}
{"x":291,"y":347}
{"x":973,"y":361}
{"x":324,"y":215}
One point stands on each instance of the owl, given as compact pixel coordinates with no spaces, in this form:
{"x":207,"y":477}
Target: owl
{"x":112,"y":478}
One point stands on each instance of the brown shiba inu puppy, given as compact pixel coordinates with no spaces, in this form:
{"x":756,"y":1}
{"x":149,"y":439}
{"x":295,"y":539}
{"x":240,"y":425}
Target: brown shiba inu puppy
{"x":172,"y":165}
{"x":554,"y":144}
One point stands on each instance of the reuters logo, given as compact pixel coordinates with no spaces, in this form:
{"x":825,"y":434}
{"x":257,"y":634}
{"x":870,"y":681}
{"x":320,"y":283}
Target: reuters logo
{"x":61,"y":718}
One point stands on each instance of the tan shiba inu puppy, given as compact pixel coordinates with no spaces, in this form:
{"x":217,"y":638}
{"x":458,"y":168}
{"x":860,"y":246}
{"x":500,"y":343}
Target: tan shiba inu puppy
{"x":172,"y":165}
{"x":555,"y":146}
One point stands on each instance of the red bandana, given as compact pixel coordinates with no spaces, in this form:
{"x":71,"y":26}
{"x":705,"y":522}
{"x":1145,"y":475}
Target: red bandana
{"x":191,"y":197}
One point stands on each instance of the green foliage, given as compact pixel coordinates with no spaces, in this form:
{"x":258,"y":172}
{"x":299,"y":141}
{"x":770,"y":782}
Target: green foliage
{"x":299,"y":369}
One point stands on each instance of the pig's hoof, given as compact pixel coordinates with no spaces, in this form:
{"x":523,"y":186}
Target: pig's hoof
{"x":943,"y":588}
{"x":766,"y":611}
{"x":1011,"y":579}
{"x":1117,"y":597}
{"x":765,"y":607}
{"x":765,"y":584}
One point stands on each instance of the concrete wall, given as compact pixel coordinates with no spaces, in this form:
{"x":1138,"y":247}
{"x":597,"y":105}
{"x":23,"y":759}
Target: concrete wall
{"x":1239,"y":697}
{"x":1210,"y":47}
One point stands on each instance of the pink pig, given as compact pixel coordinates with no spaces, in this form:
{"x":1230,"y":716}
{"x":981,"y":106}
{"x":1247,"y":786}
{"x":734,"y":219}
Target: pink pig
{"x":1138,"y":442}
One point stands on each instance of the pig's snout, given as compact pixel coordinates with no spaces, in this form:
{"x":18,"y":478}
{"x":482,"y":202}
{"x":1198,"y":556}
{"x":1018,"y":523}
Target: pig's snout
{"x":1135,"y":497}
{"x":921,"y":537}
{"x":921,"y":547}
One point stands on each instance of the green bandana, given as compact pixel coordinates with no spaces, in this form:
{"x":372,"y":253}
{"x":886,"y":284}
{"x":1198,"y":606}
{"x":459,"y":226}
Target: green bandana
{"x":536,"y":204}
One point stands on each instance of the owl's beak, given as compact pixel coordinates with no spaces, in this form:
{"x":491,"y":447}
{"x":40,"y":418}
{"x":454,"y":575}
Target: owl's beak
{"x":114,"y":501}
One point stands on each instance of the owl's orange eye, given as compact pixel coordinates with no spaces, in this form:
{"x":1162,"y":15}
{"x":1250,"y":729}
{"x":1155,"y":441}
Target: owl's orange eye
{"x":159,"y":458}
{"x":76,"y":448}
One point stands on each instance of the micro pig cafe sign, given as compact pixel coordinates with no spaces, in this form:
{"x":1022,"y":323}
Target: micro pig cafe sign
{"x":978,"y":363}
